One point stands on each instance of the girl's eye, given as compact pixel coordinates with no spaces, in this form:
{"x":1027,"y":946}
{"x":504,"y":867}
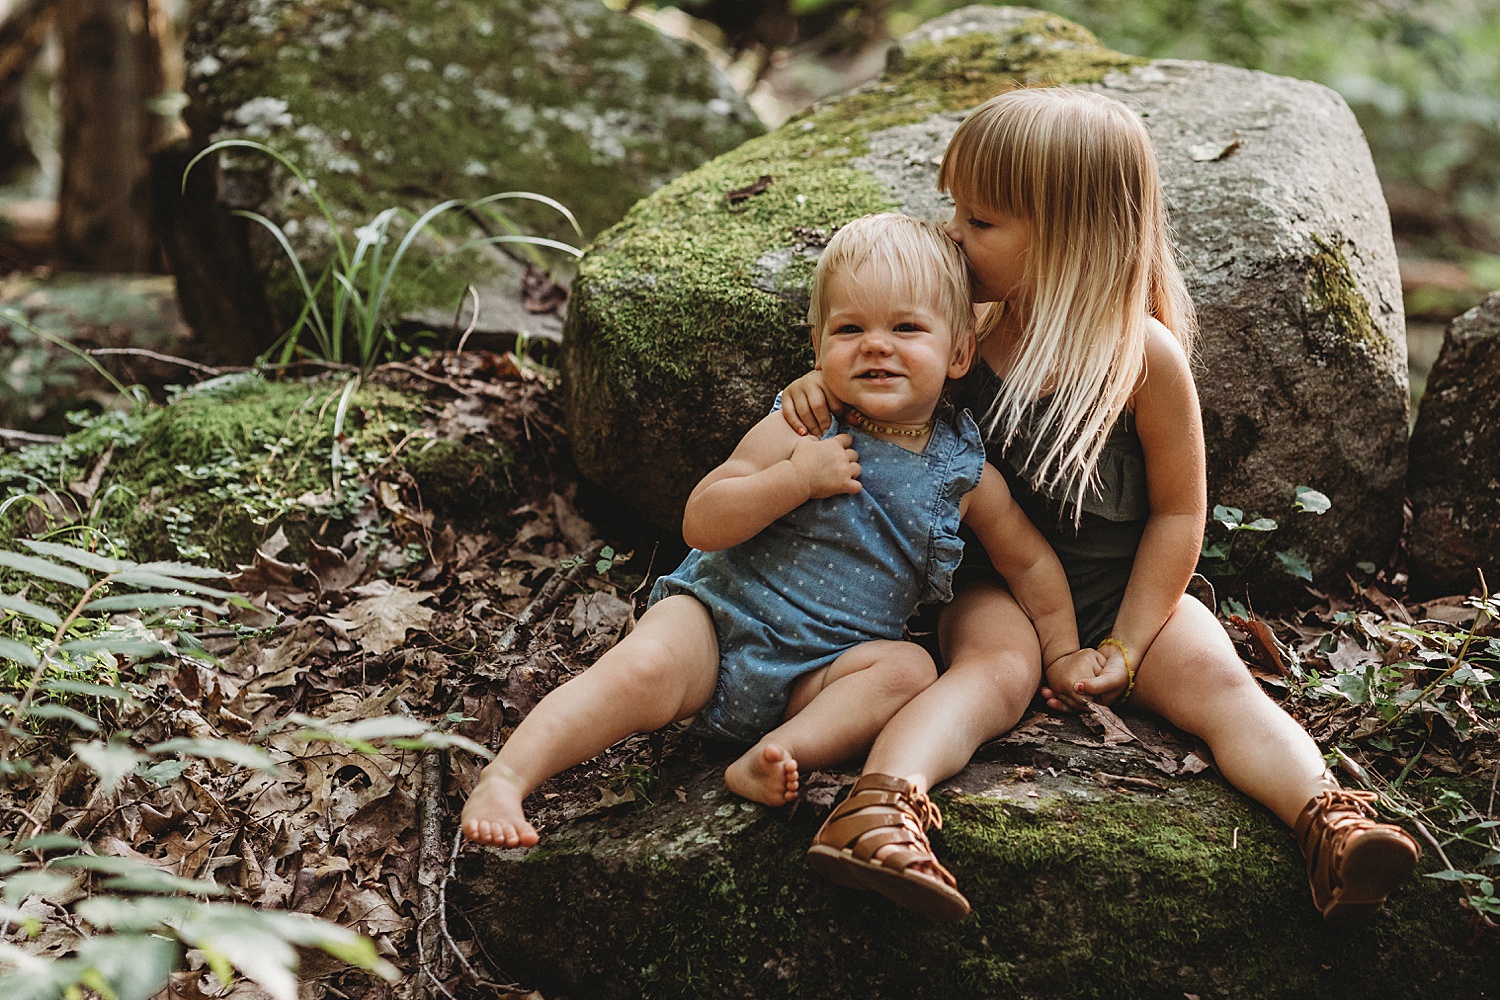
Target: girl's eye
{"x":978,"y":223}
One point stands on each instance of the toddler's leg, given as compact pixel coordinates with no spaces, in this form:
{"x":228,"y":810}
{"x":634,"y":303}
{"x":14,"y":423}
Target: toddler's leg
{"x":664,"y":670}
{"x":833,"y":714}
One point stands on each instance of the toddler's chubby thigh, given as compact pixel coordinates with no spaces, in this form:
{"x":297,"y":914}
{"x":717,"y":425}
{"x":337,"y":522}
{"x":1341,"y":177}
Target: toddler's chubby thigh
{"x":670,"y":659}
{"x":984,"y":630}
{"x":895,"y":666}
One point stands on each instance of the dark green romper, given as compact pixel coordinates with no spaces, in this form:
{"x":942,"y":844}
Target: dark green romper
{"x":1096,"y":554}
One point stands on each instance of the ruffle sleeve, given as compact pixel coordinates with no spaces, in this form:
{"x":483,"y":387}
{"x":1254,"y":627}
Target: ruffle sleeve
{"x":964,"y":466}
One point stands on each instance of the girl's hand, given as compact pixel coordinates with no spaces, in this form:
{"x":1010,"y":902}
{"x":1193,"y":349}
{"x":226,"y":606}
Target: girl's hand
{"x":1081,"y":677}
{"x":806,"y":405}
{"x":829,"y":466}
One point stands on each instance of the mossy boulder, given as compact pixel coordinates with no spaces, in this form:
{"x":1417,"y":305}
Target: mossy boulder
{"x":405,"y":103}
{"x":228,"y":463}
{"x":1156,"y":887}
{"x":1455,"y":460}
{"x":686,"y":317}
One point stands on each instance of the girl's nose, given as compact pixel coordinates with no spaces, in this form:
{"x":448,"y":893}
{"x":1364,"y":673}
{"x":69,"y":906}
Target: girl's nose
{"x":952,"y":230}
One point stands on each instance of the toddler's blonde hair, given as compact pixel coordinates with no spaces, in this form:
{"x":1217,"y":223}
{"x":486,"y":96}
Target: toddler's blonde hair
{"x":923,"y":264}
{"x":1080,"y":169}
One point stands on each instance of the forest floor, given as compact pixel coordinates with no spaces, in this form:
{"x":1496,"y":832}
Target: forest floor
{"x":470,"y":635}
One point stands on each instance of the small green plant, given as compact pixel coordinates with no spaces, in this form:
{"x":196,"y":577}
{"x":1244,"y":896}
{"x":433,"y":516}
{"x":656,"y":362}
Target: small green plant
{"x":346,"y":310}
{"x":1218,"y":556}
{"x":605,"y":561}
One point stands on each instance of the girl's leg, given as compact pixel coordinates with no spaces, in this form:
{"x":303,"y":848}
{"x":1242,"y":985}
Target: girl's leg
{"x":994,"y":668}
{"x":1192,"y":677}
{"x":664,"y":670}
{"x":832,"y":714}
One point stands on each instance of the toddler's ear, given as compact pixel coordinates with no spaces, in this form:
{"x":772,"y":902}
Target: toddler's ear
{"x":963,"y":357}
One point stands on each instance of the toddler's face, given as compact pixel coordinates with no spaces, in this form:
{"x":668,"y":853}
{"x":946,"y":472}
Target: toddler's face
{"x":995,"y":244}
{"x":885,"y":350}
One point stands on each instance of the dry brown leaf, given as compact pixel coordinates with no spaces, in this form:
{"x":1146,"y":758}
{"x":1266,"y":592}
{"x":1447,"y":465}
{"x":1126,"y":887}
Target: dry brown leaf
{"x":1100,"y":717}
{"x":599,"y":612}
{"x":576,"y":531}
{"x":335,"y":572}
{"x":382,"y":618}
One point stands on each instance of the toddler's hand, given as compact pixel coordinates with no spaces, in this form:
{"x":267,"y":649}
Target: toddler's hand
{"x":1080,"y":677}
{"x":806,"y":404}
{"x":829,"y":465}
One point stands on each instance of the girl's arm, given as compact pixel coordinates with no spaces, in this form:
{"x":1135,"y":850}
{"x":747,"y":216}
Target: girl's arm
{"x":772,"y":472}
{"x":1170,"y":426}
{"x":806,"y":404}
{"x":1022,"y":556}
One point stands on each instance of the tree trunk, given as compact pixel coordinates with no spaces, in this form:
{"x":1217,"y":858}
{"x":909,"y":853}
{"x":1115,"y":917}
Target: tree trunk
{"x":109,"y":76}
{"x":23,"y":32}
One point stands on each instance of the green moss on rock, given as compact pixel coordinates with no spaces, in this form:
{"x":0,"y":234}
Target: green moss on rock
{"x":409,"y":102}
{"x":1333,"y":292}
{"x":213,"y":474}
{"x":1082,"y":893}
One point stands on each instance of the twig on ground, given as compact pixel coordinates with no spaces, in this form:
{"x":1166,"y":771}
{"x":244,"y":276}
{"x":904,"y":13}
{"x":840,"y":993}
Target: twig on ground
{"x":22,"y":439}
{"x":544,"y":601}
{"x":169,"y":359}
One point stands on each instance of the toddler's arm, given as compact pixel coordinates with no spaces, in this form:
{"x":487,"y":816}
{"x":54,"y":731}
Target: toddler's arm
{"x":806,"y":404}
{"x":1030,"y":567}
{"x":772,"y":472}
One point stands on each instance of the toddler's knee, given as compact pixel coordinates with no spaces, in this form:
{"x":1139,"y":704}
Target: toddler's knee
{"x":645,"y":675}
{"x":908,"y":670}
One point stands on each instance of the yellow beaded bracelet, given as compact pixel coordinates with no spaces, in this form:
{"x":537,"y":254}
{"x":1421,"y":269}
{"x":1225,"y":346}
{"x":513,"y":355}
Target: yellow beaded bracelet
{"x":1129,"y":667}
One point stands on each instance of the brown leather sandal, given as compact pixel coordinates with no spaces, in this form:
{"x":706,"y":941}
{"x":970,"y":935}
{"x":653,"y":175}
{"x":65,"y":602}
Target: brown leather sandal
{"x":1353,"y":862}
{"x":880,"y":811}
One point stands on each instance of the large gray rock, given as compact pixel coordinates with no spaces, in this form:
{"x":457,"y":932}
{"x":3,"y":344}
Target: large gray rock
{"x":685,"y":317}
{"x":1092,"y":874}
{"x":408,"y":102}
{"x":1455,"y":460}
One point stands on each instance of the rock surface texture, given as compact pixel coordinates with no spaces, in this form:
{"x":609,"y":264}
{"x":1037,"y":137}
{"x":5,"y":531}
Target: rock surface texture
{"x":1092,"y":874}
{"x":1455,"y":460}
{"x":686,"y":316}
{"x":408,"y":102}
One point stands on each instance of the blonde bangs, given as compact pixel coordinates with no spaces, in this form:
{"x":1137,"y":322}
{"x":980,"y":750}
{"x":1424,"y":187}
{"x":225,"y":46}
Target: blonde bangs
{"x":1080,"y":169}
{"x":913,"y":258}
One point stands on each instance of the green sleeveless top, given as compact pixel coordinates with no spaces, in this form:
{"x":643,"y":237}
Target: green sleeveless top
{"x":1097,"y":552}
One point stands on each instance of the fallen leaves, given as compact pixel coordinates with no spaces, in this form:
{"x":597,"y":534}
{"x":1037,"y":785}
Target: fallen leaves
{"x":387,"y":612}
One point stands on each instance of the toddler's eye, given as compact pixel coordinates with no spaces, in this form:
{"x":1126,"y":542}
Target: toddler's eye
{"x":849,"y":328}
{"x":908,"y":328}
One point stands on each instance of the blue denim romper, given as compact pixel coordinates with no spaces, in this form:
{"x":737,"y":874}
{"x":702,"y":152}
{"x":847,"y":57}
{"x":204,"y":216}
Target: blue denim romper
{"x":832,"y":574}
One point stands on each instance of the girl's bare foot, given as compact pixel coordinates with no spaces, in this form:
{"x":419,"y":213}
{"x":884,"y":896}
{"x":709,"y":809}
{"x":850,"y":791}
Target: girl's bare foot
{"x":766,"y":773}
{"x":493,"y":814}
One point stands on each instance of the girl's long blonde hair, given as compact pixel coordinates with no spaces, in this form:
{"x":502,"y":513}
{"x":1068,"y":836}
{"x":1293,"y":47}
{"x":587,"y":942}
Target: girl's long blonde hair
{"x":1079,"y":167}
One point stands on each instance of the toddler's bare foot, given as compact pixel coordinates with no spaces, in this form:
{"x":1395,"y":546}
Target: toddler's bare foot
{"x":766,"y":773}
{"x":493,"y":814}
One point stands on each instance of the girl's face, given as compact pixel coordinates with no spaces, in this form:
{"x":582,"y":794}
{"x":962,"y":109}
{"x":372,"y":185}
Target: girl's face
{"x":996,"y":244}
{"x":884,"y":350}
